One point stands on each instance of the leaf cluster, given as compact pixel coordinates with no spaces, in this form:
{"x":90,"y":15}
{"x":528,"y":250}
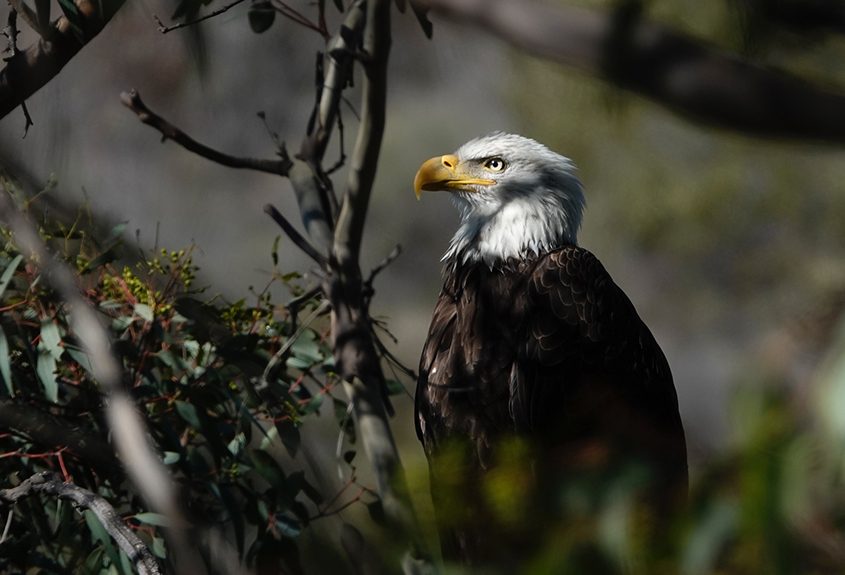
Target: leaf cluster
{"x":228,"y":428}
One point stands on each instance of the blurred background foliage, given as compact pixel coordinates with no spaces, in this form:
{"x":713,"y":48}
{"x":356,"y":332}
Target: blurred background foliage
{"x":731,"y":248}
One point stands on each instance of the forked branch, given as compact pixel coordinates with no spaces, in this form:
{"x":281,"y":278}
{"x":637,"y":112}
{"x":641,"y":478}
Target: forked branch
{"x":132,"y":100}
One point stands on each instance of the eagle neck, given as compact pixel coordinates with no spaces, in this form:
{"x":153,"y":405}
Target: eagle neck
{"x":521,"y":229}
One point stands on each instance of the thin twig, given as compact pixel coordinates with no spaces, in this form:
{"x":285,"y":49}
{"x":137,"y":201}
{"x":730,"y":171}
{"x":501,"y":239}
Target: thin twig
{"x":132,"y":100}
{"x":8,"y":526}
{"x":165,"y":29}
{"x":297,"y":302}
{"x":295,"y":236}
{"x":294,"y":15}
{"x":51,"y":484}
{"x":394,"y":253}
{"x":272,"y":365}
{"x":340,"y":437}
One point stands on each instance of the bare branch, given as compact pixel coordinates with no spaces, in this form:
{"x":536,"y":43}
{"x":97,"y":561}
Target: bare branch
{"x":688,"y":76}
{"x":26,"y":72}
{"x":132,"y":100}
{"x":165,"y":29}
{"x":51,"y":431}
{"x":295,"y":236}
{"x":49,"y":483}
{"x":394,"y":253}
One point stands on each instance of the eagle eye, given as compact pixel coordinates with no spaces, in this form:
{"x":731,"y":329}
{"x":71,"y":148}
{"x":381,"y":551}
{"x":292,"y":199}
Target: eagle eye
{"x":494,"y":164}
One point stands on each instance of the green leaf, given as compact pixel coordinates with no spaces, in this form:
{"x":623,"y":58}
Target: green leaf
{"x":158,"y":548}
{"x":313,"y":405}
{"x":289,"y":434}
{"x":151,"y":518}
{"x":144,"y":311}
{"x":51,"y":339}
{"x":99,"y":533}
{"x":8,"y":273}
{"x":261,"y":16}
{"x":5,"y":363}
{"x":188,"y":412}
{"x":79,"y":357}
{"x":73,"y":15}
{"x":121,"y":323}
{"x":46,"y":370}
{"x":711,"y":535}
{"x":237,"y":444}
{"x":288,"y":526}
{"x":267,"y":467}
{"x":394,"y":387}
{"x":171,"y":457}
{"x":116,"y":233}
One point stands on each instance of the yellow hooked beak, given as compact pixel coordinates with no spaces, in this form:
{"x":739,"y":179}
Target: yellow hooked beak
{"x":442,"y":174}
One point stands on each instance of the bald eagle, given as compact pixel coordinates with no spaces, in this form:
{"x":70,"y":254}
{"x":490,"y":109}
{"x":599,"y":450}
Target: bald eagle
{"x":532,"y":344}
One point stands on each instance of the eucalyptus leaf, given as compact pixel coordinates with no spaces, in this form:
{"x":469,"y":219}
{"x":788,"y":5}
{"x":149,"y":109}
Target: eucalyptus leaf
{"x":144,"y":311}
{"x":8,"y":273}
{"x":51,"y":339}
{"x":79,"y":357}
{"x":5,"y":363}
{"x":151,"y":518}
{"x":288,"y":526}
{"x":46,"y":370}
{"x":188,"y":412}
{"x":171,"y":457}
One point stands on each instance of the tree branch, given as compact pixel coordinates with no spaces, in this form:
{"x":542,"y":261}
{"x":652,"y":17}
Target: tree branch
{"x":50,"y":431}
{"x":356,"y":359}
{"x":49,"y":483}
{"x":353,"y":211}
{"x":688,"y":76}
{"x":29,"y":70}
{"x":306,"y":175}
{"x":295,"y":236}
{"x":132,"y":100}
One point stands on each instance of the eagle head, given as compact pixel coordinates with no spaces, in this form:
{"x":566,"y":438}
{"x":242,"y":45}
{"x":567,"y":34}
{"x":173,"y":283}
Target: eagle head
{"x":517,"y":198}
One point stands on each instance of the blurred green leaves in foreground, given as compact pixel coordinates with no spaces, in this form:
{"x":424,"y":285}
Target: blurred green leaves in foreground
{"x":230,"y":429}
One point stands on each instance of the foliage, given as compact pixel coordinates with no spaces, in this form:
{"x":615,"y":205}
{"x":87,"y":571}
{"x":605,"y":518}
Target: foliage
{"x":228,"y":426}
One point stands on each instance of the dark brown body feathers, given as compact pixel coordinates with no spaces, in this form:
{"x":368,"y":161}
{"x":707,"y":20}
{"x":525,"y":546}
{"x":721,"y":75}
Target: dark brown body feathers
{"x":551,"y":350}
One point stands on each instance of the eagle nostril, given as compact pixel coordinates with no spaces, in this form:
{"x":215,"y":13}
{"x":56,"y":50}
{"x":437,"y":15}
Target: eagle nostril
{"x":448,"y":162}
